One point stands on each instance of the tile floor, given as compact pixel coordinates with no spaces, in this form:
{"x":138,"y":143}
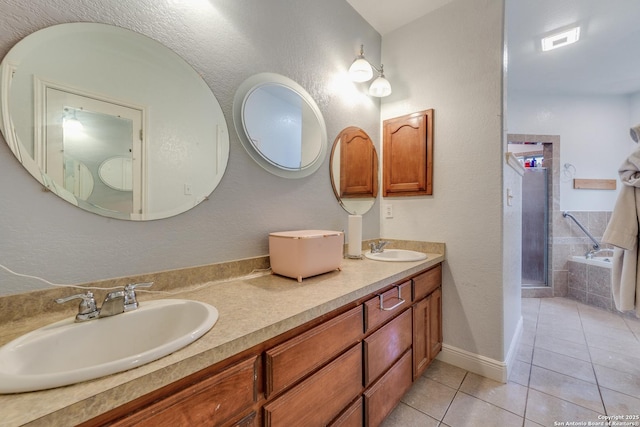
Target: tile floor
{"x":575,"y":362}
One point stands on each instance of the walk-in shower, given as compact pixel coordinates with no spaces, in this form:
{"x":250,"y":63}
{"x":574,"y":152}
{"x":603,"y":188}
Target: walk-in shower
{"x":535,"y":230}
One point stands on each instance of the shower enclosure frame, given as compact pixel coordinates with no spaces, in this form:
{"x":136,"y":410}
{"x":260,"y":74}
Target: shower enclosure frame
{"x":556,"y":278}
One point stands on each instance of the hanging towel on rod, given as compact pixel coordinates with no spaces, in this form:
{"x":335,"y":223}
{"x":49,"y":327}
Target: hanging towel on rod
{"x":622,"y":232}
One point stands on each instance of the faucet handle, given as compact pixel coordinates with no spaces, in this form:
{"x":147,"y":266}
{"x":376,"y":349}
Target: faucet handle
{"x":130,"y":300}
{"x":87,"y":309}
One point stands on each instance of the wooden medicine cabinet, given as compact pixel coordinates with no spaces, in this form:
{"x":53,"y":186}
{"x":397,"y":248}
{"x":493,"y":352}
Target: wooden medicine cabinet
{"x":408,"y":155}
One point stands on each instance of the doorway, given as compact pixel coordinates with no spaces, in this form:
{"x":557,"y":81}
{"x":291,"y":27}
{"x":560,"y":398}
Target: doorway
{"x":548,"y":148}
{"x":93,"y":149}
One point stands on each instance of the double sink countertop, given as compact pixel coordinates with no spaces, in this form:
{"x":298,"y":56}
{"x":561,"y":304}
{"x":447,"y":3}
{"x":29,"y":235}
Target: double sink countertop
{"x":252,"y":309}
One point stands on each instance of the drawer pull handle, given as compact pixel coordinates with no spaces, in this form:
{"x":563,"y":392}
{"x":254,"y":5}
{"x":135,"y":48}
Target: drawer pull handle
{"x":393,"y":307}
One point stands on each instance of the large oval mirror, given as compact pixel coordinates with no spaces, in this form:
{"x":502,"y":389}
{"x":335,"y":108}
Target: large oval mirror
{"x":112,"y":121}
{"x":280,"y":125}
{"x":354,"y":170}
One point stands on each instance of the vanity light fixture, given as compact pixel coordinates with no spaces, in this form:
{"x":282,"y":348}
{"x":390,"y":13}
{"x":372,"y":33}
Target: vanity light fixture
{"x":560,"y":39}
{"x":361,"y":70}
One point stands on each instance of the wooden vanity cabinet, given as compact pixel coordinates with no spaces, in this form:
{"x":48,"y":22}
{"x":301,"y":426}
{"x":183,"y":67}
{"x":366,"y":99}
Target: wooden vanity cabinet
{"x":408,"y":155}
{"x":427,"y":319}
{"x":348,"y":368}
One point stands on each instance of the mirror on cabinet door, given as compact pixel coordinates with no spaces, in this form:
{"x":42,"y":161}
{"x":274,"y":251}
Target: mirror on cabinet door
{"x":354,"y":170}
{"x":279,"y":125}
{"x":112,"y":121}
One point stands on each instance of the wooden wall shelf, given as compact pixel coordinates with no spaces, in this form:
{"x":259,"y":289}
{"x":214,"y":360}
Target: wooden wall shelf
{"x":594,"y":184}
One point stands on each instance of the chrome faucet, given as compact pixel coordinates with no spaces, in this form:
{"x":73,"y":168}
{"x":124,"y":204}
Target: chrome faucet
{"x":377,"y":248}
{"x":594,"y":252}
{"x":115,"y":302}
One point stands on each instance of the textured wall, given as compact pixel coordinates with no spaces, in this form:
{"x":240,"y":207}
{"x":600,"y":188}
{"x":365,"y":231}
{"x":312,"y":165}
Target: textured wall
{"x":309,"y":41}
{"x":594,"y":138}
{"x":451,"y":60}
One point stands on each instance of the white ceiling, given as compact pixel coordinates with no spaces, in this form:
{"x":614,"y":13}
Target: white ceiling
{"x":606,"y":60}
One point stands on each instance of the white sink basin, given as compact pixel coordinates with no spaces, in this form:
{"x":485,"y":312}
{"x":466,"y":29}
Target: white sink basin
{"x":66,"y":352}
{"x":396,"y":255}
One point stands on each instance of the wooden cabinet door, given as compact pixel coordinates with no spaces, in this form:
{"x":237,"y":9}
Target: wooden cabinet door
{"x":421,"y":341}
{"x":394,"y":301}
{"x":386,"y":345}
{"x":292,"y":360}
{"x":408,"y":155}
{"x":358,"y":164}
{"x":427,"y":282}
{"x":321,"y":397}
{"x":351,"y":417}
{"x":215,"y":401}
{"x":435,"y":323}
{"x":384,"y":394}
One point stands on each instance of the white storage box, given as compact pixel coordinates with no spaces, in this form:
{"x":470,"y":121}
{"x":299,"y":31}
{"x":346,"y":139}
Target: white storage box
{"x":305,"y":253}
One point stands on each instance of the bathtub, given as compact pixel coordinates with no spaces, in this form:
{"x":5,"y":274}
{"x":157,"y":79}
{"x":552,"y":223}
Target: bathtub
{"x":589,"y":281}
{"x":600,"y":261}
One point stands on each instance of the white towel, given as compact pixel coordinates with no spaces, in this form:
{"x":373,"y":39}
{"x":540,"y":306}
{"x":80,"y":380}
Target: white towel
{"x":622,"y":232}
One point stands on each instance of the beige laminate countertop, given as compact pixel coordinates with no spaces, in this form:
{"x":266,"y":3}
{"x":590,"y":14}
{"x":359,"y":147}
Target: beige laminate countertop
{"x":252,"y":310}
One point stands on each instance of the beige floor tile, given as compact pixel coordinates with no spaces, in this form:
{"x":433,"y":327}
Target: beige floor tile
{"x":510,"y":396}
{"x":633,"y":323}
{"x":469,"y":411}
{"x":445,"y":373}
{"x":430,"y":397}
{"x":524,"y":353}
{"x":618,"y":341}
{"x":567,"y":388}
{"x":520,"y":373}
{"x":530,"y":305}
{"x":529,"y":423}
{"x":622,"y":382}
{"x":546,"y":410}
{"x":575,"y":335}
{"x":617,"y":361}
{"x":568,"y":348}
{"x":620,"y":404}
{"x":406,"y":416}
{"x":564,"y":364}
{"x":593,"y":317}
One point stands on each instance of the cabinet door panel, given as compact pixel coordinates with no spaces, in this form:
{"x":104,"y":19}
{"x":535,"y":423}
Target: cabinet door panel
{"x":427,"y":282}
{"x":375,"y":316}
{"x":408,"y":155}
{"x":435,"y":323}
{"x":321,"y":397}
{"x":384,"y":347}
{"x":351,"y":417}
{"x":292,"y":360}
{"x":214,"y":401}
{"x":384,"y":394}
{"x":421,"y":342}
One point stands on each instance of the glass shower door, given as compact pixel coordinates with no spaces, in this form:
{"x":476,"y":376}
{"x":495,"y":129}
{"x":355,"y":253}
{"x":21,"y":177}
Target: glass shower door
{"x":535,"y":227}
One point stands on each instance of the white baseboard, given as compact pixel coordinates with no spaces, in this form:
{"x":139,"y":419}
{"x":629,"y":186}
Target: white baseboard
{"x":482,"y":365}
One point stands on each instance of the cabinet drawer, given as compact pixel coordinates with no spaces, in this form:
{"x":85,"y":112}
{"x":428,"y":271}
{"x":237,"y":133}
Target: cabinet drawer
{"x":292,"y":360}
{"x":351,"y":417}
{"x":384,"y":394}
{"x":214,"y":401}
{"x":385,"y":346}
{"x":427,"y":282}
{"x":321,"y":397}
{"x":375,"y":316}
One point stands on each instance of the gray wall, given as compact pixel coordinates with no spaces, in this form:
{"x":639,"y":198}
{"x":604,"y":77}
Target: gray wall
{"x":312,"y":42}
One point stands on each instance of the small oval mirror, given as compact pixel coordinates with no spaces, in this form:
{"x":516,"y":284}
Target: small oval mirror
{"x":280,"y":125}
{"x":354,"y":170}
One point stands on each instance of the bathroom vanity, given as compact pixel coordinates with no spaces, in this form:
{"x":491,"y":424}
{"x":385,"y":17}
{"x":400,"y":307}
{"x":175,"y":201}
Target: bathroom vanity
{"x":338,"y":349}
